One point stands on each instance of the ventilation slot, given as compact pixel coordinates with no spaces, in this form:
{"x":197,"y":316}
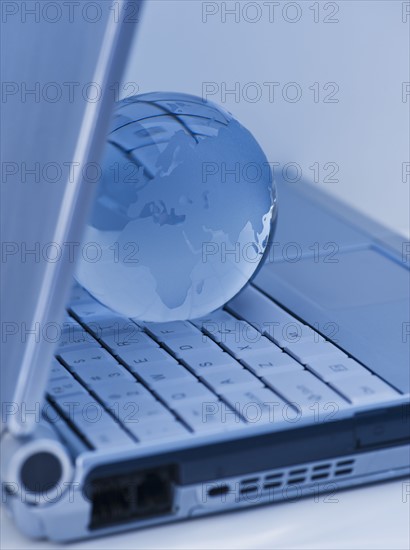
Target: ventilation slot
{"x":218,"y":491}
{"x":296,"y":481}
{"x":298,"y":472}
{"x":344,"y":472}
{"x":296,"y":476}
{"x":321,"y":467}
{"x":345,"y":463}
{"x":251,"y":480}
{"x":344,"y":467}
{"x":272,"y":485}
{"x":274,"y":476}
{"x":275,"y":482}
{"x":249,"y":490}
{"x":316,"y":477}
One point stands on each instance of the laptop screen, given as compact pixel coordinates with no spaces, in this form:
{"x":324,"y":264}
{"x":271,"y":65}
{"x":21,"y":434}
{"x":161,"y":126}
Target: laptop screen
{"x":59,"y":72}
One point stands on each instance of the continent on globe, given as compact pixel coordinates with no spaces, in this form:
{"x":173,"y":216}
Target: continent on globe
{"x":183,"y":210}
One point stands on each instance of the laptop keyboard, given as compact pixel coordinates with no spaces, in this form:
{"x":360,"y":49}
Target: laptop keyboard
{"x":118,"y":382}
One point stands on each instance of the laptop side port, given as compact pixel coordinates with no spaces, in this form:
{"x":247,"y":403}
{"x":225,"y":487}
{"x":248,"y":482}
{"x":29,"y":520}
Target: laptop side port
{"x":126,"y":497}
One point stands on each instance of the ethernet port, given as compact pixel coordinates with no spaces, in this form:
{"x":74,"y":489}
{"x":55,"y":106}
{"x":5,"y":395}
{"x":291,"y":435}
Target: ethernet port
{"x":154,"y":493}
{"x":127,"y":497}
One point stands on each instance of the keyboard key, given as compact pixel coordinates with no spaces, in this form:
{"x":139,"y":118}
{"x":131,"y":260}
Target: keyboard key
{"x":293,"y":333}
{"x":269,"y":362}
{"x":84,"y":411}
{"x":224,"y":380}
{"x":90,"y":311}
{"x":73,"y":405}
{"x":211,"y":416}
{"x":130,"y":411}
{"x":70,"y":324}
{"x":209,"y":360}
{"x":150,"y":431}
{"x":306,"y":352}
{"x":74,"y":336}
{"x":147,"y":356}
{"x":270,"y":319}
{"x":57,"y":370}
{"x":64,"y":387}
{"x":330,"y":368}
{"x":363,"y":389}
{"x":101,"y":438}
{"x":79,"y":295}
{"x":232,"y":331}
{"x":114,"y":324}
{"x":126,"y":340}
{"x":162,"y":373}
{"x":261,"y":312}
{"x":244,"y":347}
{"x":93,"y":376}
{"x":175,"y":393}
{"x":307,"y":393}
{"x":75,"y":285}
{"x":181,"y":346}
{"x":87,"y":357}
{"x":121,"y":390}
{"x":164,"y":331}
{"x":139,"y":323}
{"x":257,"y":405}
{"x":217,"y":316}
{"x":68,"y":319}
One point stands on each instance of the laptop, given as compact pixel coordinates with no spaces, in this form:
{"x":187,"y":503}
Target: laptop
{"x":298,"y":386}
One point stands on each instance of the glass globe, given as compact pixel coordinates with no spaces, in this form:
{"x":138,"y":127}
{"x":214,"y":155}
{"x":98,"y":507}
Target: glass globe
{"x":183,"y":209}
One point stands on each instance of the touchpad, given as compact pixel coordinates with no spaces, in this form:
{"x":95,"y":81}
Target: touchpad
{"x":363,"y":293}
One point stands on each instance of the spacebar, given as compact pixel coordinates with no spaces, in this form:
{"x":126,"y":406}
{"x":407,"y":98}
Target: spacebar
{"x":260,"y":311}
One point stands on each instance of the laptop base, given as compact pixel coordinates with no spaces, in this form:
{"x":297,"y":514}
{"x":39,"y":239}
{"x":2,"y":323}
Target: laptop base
{"x":170,"y":501}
